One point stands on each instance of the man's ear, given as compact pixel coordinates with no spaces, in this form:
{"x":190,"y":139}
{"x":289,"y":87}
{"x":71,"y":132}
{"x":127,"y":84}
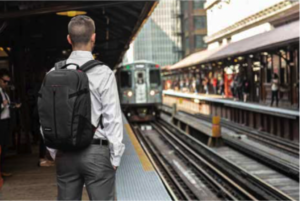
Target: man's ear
{"x":69,"y":39}
{"x":93,"y":38}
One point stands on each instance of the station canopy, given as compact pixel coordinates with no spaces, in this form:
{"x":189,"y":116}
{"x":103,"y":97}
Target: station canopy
{"x":275,"y":38}
{"x":43,"y":25}
{"x":193,"y":59}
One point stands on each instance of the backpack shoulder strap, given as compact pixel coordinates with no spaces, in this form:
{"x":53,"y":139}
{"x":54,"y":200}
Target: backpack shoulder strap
{"x":60,"y":64}
{"x":90,"y":64}
{"x":1,"y":100}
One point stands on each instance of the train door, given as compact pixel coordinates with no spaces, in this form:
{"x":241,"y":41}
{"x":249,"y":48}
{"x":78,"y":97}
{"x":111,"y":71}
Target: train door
{"x":140,"y":87}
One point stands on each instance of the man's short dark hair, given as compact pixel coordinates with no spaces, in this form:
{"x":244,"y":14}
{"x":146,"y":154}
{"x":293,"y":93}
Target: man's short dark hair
{"x":81,"y":28}
{"x":4,"y":72}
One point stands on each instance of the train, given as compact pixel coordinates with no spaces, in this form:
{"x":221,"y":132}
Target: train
{"x":140,"y":90}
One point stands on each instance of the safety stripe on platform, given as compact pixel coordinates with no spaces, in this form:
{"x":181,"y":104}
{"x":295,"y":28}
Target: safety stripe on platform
{"x":147,"y":166}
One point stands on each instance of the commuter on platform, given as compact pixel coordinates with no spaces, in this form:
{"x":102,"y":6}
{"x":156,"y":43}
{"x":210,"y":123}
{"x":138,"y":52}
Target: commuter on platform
{"x":181,"y":85}
{"x":215,"y":85}
{"x":205,"y":85}
{"x":246,"y":88}
{"x":239,"y":87}
{"x":233,"y":88}
{"x":94,"y":166}
{"x":187,"y":84}
{"x":5,"y":117}
{"x":194,"y":88}
{"x":275,"y":88}
{"x":222,"y":87}
{"x":198,"y":81}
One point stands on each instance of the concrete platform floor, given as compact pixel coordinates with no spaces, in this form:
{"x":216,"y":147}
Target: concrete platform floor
{"x":29,"y":182}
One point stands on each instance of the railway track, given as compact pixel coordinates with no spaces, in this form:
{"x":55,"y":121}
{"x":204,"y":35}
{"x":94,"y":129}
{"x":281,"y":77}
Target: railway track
{"x":225,"y":179}
{"x":274,"y":157}
{"x":281,"y":144}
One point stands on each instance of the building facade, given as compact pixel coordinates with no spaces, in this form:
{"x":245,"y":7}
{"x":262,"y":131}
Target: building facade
{"x":234,"y":20}
{"x":158,"y":40}
{"x":194,"y":25}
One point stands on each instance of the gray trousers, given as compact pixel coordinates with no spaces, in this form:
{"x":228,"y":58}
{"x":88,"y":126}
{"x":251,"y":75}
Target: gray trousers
{"x":91,"y":167}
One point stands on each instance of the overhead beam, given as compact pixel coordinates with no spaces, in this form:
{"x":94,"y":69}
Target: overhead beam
{"x":58,"y":8}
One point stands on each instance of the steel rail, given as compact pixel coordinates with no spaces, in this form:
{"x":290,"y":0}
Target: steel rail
{"x":218,"y":183}
{"x":253,"y":184}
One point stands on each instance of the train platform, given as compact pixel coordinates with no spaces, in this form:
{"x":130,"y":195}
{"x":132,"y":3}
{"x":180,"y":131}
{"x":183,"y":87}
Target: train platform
{"x":281,"y":122}
{"x":237,"y":104}
{"x":136,"y":177}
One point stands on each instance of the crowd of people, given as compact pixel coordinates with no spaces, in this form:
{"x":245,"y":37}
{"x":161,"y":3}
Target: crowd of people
{"x":197,"y":84}
{"x":238,"y":87}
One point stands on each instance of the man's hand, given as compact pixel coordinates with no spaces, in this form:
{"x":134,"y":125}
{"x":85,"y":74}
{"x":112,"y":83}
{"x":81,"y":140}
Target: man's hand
{"x":5,"y":103}
{"x":115,"y":167}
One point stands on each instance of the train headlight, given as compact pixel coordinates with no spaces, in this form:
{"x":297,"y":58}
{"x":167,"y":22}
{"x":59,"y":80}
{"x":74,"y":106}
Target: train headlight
{"x":129,"y":93}
{"x":152,"y":92}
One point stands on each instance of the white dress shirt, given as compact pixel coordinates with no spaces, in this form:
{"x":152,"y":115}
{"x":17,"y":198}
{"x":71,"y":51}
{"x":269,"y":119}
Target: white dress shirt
{"x":105,"y":101}
{"x":5,"y":114}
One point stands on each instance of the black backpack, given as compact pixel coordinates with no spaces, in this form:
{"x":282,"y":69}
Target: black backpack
{"x":64,"y":107}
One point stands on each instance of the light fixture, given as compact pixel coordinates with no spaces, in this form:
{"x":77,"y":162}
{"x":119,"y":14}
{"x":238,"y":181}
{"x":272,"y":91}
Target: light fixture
{"x":152,"y":92}
{"x":129,"y":93}
{"x":72,"y":13}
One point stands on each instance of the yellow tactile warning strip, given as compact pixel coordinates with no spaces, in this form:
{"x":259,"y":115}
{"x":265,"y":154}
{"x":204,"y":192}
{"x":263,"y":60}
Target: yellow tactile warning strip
{"x":147,"y":166}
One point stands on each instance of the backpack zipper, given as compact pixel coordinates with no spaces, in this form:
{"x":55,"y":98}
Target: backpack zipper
{"x":54,"y":111}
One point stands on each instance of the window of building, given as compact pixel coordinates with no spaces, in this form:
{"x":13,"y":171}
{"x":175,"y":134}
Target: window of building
{"x":185,"y":5}
{"x":126,"y":79}
{"x":186,"y":25}
{"x":199,"y":22}
{"x":198,"y":4}
{"x":199,"y":41}
{"x":187,"y":43}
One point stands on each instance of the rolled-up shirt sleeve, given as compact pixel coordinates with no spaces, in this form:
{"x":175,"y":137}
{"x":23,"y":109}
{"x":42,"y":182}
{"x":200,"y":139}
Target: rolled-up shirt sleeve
{"x":112,"y":118}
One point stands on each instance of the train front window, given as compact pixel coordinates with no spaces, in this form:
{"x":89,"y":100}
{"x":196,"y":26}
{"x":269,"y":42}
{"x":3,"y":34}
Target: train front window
{"x":155,"y":77}
{"x":126,"y":79}
{"x":140,"y":78}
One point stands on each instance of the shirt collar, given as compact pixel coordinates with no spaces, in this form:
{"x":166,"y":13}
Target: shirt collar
{"x":81,"y":54}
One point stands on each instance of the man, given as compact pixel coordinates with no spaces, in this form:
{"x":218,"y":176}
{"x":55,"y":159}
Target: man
{"x":95,"y":166}
{"x":6,"y":105}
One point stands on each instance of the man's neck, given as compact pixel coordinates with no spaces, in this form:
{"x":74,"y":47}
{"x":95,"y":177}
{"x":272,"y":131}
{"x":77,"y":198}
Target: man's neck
{"x":88,"y":49}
